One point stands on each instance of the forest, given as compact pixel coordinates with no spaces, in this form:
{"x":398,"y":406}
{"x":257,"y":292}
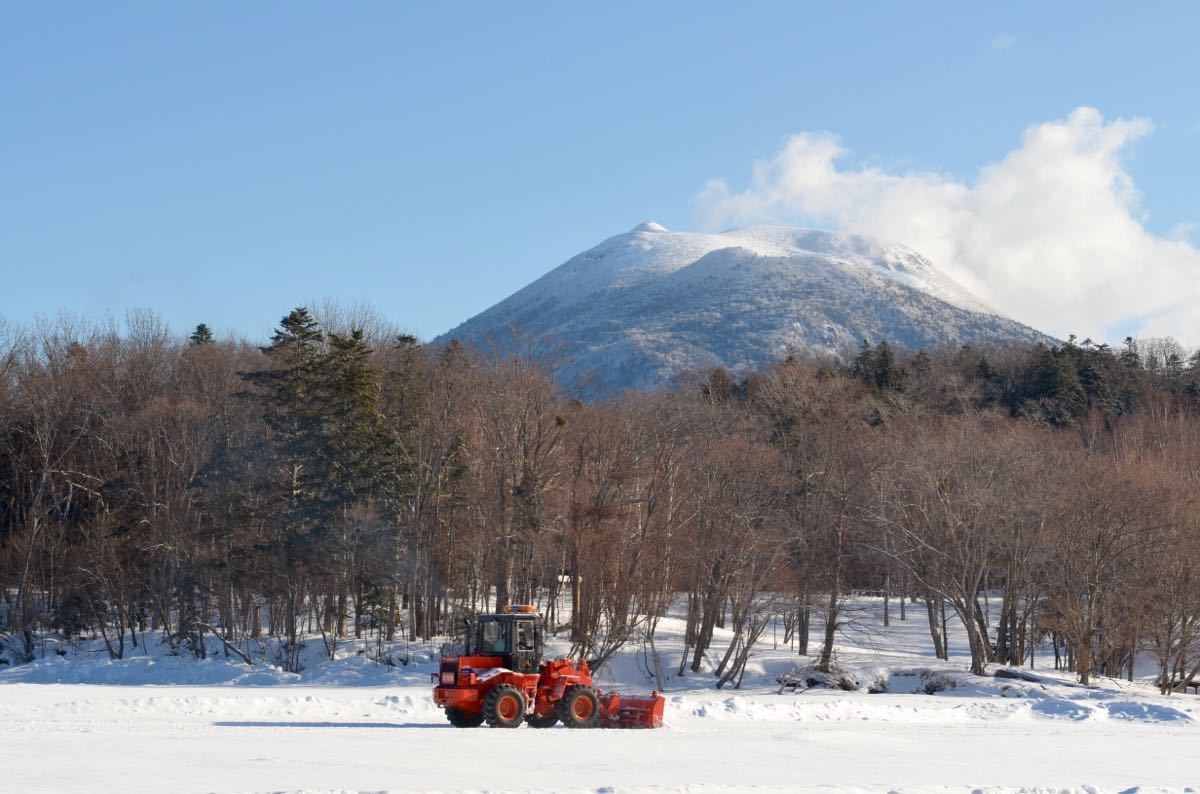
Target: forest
{"x":346,"y":480}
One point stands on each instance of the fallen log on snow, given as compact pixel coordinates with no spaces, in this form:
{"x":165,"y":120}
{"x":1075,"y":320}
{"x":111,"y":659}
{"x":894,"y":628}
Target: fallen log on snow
{"x":1020,"y":675}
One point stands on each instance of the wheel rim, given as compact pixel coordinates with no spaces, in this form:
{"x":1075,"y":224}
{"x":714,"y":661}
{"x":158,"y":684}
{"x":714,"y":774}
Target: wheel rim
{"x":507,"y":708}
{"x":583,"y":708}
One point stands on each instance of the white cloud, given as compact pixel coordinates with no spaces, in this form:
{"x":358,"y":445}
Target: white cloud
{"x":1003,"y":42}
{"x":1051,"y":234}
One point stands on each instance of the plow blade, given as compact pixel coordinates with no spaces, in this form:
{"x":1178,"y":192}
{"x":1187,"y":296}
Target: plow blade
{"x":632,"y":711}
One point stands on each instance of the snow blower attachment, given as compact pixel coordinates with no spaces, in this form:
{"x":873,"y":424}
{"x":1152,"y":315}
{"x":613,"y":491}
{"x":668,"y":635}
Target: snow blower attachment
{"x":632,"y":711}
{"x":502,"y":680}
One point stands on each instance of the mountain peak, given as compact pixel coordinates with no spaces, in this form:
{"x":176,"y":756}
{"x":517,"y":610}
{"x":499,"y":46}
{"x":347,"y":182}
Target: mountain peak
{"x":650,"y":226}
{"x":642,"y":306}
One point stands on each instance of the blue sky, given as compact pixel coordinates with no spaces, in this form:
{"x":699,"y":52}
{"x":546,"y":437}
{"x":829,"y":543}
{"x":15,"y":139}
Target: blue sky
{"x":222,"y":162}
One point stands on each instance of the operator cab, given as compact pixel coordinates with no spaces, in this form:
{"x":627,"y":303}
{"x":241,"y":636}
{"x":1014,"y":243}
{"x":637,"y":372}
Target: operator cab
{"x":514,"y":634}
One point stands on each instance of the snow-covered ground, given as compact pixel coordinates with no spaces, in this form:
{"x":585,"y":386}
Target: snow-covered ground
{"x":353,"y":725}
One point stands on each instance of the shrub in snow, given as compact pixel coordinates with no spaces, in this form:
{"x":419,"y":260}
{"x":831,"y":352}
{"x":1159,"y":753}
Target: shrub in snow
{"x":807,"y":677}
{"x":932,"y":683}
{"x":920,"y":680}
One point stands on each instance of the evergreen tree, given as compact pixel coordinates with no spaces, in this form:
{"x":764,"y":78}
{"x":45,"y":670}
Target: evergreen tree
{"x":353,"y":425}
{"x":1050,"y":389}
{"x":290,"y":396}
{"x":1130,"y":356}
{"x":1174,"y":368}
{"x":889,"y":376}
{"x":985,"y":371}
{"x":291,"y":392}
{"x":1092,"y":366}
{"x":1191,"y":378}
{"x":879,"y":369}
{"x":1193,"y":367}
{"x":203,"y":335}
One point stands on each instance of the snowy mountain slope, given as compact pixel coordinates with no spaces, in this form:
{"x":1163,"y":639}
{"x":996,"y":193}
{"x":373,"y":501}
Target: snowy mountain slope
{"x":644,"y":305}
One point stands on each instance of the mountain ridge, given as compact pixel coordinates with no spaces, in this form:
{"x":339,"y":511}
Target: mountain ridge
{"x":644,"y":305}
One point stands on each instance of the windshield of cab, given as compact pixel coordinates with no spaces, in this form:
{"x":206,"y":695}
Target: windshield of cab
{"x":491,"y":637}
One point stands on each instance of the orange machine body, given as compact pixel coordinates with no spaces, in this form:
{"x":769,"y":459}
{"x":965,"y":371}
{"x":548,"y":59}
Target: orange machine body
{"x":478,"y":687}
{"x":464,"y":681}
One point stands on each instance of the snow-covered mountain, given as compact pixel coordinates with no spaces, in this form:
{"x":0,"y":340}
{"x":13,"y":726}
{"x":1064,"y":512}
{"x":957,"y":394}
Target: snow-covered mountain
{"x":645,"y":305}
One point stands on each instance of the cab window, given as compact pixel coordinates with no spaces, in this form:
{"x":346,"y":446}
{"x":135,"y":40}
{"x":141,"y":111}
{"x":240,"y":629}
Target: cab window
{"x":491,"y":637}
{"x":524,"y":636}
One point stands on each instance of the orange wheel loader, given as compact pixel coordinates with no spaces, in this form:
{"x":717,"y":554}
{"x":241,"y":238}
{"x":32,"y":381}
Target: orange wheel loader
{"x":502,"y":680}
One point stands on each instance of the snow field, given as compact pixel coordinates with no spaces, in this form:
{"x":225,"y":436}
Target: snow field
{"x":353,"y":725}
{"x":73,"y":738}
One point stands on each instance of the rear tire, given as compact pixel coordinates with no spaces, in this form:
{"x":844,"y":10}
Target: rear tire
{"x":548,"y":721}
{"x":464,"y":719}
{"x":504,"y":707}
{"x":579,"y":707}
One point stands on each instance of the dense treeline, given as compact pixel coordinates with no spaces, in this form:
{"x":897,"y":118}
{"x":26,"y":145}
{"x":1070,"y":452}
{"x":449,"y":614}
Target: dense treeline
{"x":347,"y":480}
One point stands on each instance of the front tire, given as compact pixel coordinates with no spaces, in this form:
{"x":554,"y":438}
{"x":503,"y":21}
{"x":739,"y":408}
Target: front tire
{"x":504,"y":707}
{"x":464,"y":719}
{"x":579,"y":707}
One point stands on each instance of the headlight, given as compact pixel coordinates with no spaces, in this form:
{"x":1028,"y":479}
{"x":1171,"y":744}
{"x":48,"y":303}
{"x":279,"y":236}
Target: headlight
{"x":448,"y":678}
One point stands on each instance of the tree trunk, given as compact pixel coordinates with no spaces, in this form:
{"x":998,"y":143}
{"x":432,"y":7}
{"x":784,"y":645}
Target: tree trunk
{"x":939,"y":648}
{"x":834,"y":593}
{"x":803,"y":621}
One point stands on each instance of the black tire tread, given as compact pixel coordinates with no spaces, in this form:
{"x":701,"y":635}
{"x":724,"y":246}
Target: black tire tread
{"x":493,"y":697}
{"x":568,"y":716}
{"x":548,"y":721}
{"x":462,"y":719}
